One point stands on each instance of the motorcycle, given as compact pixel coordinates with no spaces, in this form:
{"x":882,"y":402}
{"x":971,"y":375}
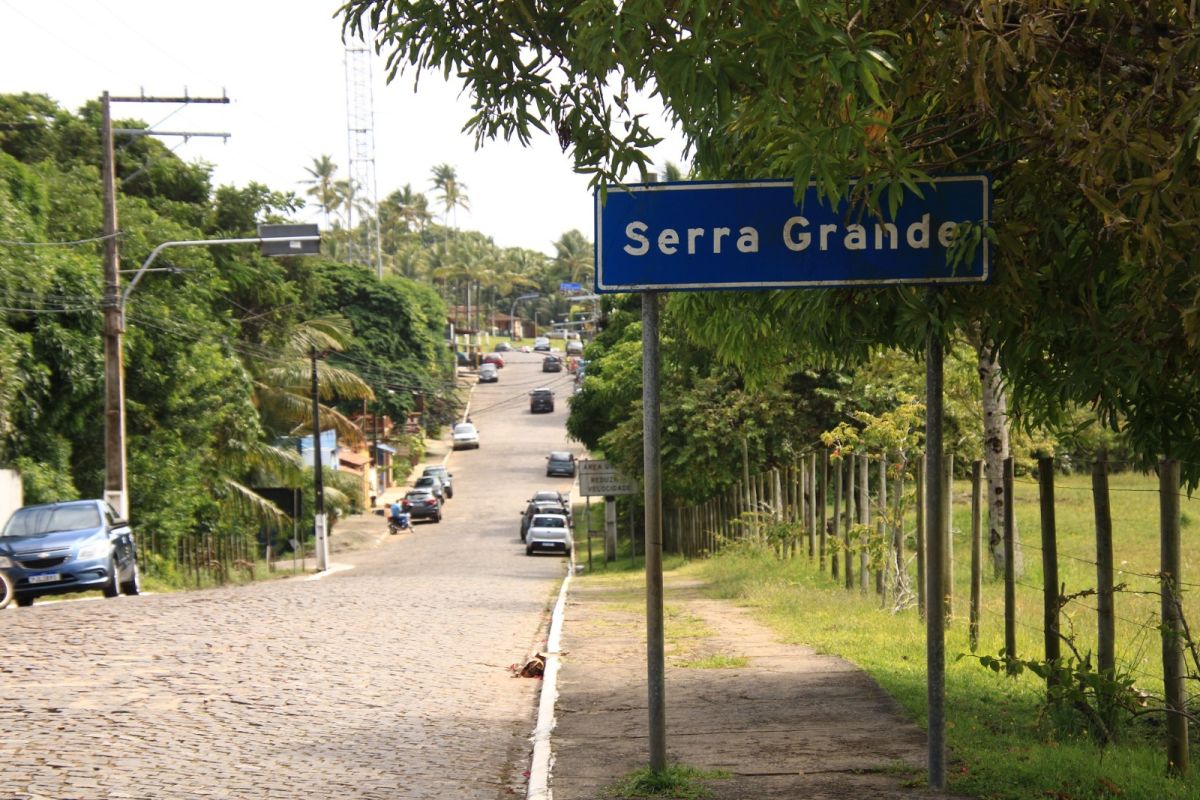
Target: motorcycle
{"x":401,"y":523}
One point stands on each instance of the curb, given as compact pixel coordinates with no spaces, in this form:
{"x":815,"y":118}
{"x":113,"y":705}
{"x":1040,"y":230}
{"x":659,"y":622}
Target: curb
{"x":543,"y":758}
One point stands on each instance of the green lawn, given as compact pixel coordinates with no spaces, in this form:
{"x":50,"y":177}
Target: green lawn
{"x":1003,"y":745}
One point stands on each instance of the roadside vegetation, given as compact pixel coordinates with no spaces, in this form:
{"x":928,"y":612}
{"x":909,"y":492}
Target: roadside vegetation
{"x":218,"y":340}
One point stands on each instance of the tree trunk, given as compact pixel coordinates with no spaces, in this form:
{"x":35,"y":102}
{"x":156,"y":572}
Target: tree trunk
{"x":995,"y":450}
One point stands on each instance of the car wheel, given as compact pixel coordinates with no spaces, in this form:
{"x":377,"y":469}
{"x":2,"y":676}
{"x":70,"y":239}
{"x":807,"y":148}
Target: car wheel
{"x":133,"y":586}
{"x":113,"y":587}
{"x":438,"y":518}
{"x":24,"y":601}
{"x":528,"y":551}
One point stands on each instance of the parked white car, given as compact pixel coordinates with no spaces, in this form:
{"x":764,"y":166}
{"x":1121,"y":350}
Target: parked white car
{"x":548,"y":532}
{"x":489,"y":373}
{"x":466,"y":437}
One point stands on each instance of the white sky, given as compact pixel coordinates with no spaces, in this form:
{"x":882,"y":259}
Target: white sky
{"x":282,"y":64}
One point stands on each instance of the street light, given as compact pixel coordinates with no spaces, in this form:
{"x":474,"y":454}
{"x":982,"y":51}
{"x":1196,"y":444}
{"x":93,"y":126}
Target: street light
{"x":275,"y":240}
{"x":511,"y":329}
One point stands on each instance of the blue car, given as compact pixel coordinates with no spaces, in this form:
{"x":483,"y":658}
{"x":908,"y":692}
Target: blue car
{"x":68,"y":547}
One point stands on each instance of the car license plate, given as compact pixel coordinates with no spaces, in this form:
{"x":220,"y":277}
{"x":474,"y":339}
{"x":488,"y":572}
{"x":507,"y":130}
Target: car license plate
{"x":49,"y":577}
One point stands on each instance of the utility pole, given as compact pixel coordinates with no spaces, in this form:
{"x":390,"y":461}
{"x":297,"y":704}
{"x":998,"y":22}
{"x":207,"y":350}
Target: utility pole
{"x":318,"y":477}
{"x":116,"y":490}
{"x":114,"y":369}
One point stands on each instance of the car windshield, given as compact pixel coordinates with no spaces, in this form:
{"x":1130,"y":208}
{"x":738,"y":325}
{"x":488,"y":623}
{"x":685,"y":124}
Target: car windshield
{"x":560,"y":456}
{"x":417,"y":496}
{"x":549,"y":522}
{"x":427,"y":480}
{"x":48,"y":519}
{"x":464,"y":428}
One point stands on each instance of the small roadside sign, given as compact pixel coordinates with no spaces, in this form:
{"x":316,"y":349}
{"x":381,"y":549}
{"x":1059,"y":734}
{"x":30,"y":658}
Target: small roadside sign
{"x":598,"y":478}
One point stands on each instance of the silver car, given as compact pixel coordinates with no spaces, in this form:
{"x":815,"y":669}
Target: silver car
{"x":548,"y":532}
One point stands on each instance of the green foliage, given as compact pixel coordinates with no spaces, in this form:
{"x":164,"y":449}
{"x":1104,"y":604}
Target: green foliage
{"x":48,"y":480}
{"x":675,"y":781}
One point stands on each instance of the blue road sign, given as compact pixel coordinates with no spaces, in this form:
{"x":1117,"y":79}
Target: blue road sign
{"x":569,"y":287}
{"x":753,"y":235}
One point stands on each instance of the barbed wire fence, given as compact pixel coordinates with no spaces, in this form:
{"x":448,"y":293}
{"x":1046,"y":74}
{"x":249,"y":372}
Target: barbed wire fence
{"x":856,"y":517}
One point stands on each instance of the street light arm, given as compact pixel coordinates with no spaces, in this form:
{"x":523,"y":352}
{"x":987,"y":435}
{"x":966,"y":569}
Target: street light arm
{"x":202,"y":243}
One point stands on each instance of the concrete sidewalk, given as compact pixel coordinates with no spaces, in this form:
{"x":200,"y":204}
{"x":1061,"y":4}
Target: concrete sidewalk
{"x":786,"y":723}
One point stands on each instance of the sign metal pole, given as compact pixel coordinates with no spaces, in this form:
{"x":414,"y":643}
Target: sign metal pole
{"x":652,"y":469}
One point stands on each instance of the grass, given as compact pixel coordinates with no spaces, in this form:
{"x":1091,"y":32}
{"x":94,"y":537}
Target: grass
{"x":1003,"y":745}
{"x":676,"y":781}
{"x":714,"y":661}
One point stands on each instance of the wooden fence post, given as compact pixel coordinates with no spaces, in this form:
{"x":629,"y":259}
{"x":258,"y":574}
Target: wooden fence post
{"x":976,"y":552}
{"x":812,"y":507}
{"x":823,"y":518}
{"x":1174,"y":671}
{"x":880,"y":528}
{"x":948,"y":536}
{"x":1050,"y":605}
{"x":1106,"y":623}
{"x":837,"y":518}
{"x":1010,"y":576}
{"x":847,"y":559}
{"x":921,"y":549}
{"x":901,"y":572}
{"x":864,"y":519}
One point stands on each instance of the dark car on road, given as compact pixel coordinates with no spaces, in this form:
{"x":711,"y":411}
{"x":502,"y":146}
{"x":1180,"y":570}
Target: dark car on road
{"x":68,"y":547}
{"x":502,"y":347}
{"x":536,"y":507}
{"x":433,"y":484}
{"x":560,"y":463}
{"x":541,"y":400}
{"x":552,"y":364}
{"x":422,"y":504}
{"x":445,"y":475}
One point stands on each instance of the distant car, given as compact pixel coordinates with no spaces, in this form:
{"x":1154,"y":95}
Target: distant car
{"x":541,"y":400}
{"x":422,"y":504}
{"x":461,"y":358}
{"x":560,"y":463}
{"x":466,"y":436}
{"x":573,"y":335}
{"x":493,"y":358}
{"x":552,"y":364}
{"x":433,"y":484}
{"x":68,"y":547}
{"x":550,"y":495}
{"x":488,"y":373}
{"x":536,"y":507}
{"x":446,"y":477}
{"x":541,"y":344}
{"x":548,"y":532}
{"x":574,"y":348}
{"x":524,"y":348}
{"x":502,"y":347}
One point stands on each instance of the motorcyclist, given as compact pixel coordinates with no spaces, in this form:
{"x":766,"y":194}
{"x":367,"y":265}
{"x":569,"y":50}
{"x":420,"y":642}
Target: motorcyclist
{"x":396,"y":511}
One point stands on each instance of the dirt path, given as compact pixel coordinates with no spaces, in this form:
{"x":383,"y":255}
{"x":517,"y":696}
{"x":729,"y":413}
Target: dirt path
{"x":781,"y":720}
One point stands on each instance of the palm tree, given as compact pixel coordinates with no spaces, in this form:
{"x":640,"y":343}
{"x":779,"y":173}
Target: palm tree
{"x":283,"y":381}
{"x":410,"y":207}
{"x":451,"y":192}
{"x":573,"y":257}
{"x":322,"y":185}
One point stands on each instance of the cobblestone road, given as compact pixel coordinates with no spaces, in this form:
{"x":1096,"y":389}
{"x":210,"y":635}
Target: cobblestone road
{"x":388,"y":680}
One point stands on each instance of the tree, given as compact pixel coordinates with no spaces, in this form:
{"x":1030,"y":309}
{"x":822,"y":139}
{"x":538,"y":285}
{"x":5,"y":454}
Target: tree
{"x":1085,"y":120}
{"x":323,"y":185}
{"x":451,"y":192}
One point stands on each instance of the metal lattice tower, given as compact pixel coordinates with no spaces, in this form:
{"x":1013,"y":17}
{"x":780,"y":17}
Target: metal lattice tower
{"x":360,"y":137}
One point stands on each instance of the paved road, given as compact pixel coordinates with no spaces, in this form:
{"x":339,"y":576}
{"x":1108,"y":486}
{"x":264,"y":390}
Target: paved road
{"x":388,"y":680}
